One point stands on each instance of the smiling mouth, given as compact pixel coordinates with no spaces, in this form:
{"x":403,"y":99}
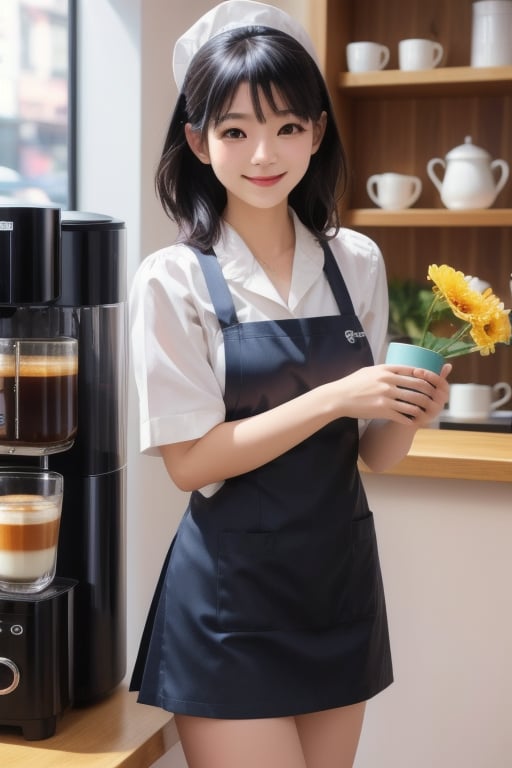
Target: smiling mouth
{"x":265,"y":181}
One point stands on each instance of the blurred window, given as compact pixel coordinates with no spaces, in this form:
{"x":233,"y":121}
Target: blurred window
{"x":37,"y":91}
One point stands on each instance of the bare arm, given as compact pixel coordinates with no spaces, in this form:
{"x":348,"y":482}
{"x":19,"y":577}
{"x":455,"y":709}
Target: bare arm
{"x":378,"y":392}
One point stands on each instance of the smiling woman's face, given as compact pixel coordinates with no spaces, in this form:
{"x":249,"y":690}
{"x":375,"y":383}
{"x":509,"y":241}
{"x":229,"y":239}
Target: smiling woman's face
{"x":258,"y":162}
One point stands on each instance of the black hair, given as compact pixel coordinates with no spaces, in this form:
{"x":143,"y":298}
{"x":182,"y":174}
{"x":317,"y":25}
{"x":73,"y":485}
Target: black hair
{"x":269,"y":61}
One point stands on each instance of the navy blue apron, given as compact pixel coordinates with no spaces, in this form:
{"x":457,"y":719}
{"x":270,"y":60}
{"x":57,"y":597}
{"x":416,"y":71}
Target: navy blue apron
{"x":270,"y":601}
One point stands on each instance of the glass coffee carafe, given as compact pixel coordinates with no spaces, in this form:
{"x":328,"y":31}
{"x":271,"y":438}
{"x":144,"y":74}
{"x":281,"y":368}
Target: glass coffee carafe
{"x":38,"y":395}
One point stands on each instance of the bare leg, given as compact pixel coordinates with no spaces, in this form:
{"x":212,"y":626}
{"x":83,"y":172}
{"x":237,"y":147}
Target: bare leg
{"x":265,"y":743}
{"x":330,"y":738}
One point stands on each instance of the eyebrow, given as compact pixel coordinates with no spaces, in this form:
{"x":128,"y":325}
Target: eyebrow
{"x":248,"y":116}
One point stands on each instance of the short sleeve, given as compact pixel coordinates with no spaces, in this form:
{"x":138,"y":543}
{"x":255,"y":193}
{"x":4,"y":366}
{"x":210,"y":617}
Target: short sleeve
{"x":180,"y":397}
{"x":374,"y":310}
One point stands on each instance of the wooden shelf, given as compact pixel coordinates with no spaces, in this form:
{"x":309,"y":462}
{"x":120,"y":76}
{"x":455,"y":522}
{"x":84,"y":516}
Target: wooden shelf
{"x":428,"y":217}
{"x":475,"y":81}
{"x":396,"y":121}
{"x":458,"y":455}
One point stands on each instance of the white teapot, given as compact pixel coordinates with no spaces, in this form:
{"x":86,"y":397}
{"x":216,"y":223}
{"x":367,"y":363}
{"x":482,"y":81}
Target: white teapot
{"x":469,"y":180}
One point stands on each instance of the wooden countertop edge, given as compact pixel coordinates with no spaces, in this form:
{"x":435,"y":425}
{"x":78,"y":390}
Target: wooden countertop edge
{"x":457,"y":454}
{"x":114,"y":733}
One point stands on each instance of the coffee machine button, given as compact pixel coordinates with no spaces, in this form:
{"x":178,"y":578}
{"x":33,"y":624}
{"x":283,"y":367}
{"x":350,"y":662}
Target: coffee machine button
{"x":16,"y":629}
{"x":9,"y":676}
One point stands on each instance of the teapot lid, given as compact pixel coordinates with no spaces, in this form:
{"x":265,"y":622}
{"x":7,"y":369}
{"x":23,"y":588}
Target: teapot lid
{"x":467,"y":151}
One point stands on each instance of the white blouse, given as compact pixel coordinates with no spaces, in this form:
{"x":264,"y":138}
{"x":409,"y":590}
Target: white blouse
{"x":177,"y":345}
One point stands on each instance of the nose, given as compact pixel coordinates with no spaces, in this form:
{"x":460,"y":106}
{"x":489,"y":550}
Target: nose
{"x":264,"y":151}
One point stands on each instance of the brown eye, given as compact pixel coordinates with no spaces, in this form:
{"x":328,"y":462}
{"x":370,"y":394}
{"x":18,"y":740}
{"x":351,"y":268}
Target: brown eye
{"x":290,"y":128}
{"x":233,"y":133}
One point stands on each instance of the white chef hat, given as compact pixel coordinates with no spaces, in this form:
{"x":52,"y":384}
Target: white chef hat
{"x":234,"y":14}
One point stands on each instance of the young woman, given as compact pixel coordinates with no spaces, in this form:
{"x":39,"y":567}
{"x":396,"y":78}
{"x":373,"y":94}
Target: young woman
{"x":257,"y":341}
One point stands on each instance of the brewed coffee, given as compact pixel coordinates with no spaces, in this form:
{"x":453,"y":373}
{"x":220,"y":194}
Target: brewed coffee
{"x":46,"y":398}
{"x":38,"y":393}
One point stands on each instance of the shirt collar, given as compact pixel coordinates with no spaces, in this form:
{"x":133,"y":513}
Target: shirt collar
{"x":239,"y":265}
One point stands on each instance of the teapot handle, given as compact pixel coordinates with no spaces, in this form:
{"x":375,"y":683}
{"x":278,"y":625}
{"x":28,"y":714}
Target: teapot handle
{"x":503,"y":165}
{"x":433,"y":176}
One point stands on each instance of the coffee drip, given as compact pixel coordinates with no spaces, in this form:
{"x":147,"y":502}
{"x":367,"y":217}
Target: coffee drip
{"x":63,"y":396}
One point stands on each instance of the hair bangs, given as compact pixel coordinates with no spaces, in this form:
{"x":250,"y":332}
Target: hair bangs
{"x":271,"y":67}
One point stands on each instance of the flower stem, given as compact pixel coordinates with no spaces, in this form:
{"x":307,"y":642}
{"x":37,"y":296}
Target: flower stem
{"x":456,"y":337}
{"x":428,"y":319}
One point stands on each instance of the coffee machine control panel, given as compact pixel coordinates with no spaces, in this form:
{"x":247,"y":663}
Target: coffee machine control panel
{"x":12,"y":646}
{"x":11,"y":627}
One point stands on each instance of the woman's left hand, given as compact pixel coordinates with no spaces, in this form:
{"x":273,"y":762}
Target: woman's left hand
{"x":428,"y":395}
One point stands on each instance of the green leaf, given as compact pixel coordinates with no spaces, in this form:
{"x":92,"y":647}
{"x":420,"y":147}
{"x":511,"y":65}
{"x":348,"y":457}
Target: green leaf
{"x":409,"y":305}
{"x":447,"y":346}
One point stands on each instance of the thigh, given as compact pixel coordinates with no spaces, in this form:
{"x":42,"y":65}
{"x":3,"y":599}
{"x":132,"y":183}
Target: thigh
{"x":329,"y":739}
{"x":265,"y":743}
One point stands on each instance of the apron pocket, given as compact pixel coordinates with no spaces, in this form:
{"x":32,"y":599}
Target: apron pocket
{"x":269,"y":580}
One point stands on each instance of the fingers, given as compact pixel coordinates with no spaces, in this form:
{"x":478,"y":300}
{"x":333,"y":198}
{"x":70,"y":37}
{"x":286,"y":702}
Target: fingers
{"x":433,"y":380}
{"x":397,"y":392}
{"x":421,"y":394}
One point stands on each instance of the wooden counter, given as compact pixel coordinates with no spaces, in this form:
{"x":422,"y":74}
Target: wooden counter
{"x":461,"y":455}
{"x":116,"y":732}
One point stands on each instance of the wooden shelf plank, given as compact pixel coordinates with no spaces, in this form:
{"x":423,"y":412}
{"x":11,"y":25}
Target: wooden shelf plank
{"x":427,"y":217}
{"x":442,"y":81}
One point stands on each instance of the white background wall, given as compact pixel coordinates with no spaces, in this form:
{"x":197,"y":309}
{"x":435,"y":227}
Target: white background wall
{"x":444,"y":545}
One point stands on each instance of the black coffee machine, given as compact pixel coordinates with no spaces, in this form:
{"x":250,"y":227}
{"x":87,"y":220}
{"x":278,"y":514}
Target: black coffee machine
{"x":63,"y":274}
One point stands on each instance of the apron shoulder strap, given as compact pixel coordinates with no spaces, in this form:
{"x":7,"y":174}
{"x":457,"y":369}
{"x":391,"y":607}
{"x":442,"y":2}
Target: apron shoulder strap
{"x":217,"y":287}
{"x":336,"y":282}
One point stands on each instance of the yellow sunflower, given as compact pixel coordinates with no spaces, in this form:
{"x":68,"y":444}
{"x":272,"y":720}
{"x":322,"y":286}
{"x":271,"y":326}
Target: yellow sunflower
{"x":452,"y":286}
{"x":496,"y":330}
{"x":485,"y":322}
{"x":491,"y":305}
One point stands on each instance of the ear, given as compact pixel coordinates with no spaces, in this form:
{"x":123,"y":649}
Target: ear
{"x":196,"y":144}
{"x":318,"y":132}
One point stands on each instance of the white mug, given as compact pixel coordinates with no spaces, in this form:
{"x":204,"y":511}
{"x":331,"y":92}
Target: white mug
{"x":366,"y":56}
{"x":477,"y":401}
{"x":417,"y":53}
{"x":393,"y":191}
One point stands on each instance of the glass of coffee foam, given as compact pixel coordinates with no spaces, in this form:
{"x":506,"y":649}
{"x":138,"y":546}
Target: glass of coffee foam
{"x":30,"y":512}
{"x":38,"y":394}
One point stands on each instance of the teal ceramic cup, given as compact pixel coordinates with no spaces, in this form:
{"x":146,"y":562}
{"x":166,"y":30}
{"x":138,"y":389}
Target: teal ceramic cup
{"x":409,"y":354}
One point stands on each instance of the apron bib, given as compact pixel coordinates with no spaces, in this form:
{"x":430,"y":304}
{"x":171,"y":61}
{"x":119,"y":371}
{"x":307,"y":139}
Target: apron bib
{"x":271,"y":603}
